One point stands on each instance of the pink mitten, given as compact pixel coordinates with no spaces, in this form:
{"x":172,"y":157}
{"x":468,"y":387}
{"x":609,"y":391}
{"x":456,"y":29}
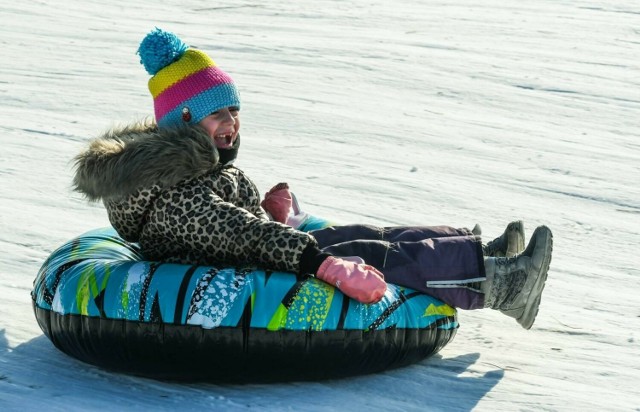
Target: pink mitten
{"x":361,"y":282}
{"x":277,"y":202}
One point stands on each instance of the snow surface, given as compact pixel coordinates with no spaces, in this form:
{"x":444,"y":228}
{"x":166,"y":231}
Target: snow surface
{"x":412,"y":112}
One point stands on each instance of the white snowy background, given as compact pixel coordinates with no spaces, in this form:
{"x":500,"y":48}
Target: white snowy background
{"x":375,"y":111}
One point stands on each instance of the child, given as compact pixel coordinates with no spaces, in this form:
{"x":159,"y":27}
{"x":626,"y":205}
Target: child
{"x":172,"y":187}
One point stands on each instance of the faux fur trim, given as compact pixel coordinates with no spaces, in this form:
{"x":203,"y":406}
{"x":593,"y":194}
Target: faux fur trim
{"x":140,"y":155}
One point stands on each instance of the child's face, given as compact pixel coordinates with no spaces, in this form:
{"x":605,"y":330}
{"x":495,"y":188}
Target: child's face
{"x":223,"y":126}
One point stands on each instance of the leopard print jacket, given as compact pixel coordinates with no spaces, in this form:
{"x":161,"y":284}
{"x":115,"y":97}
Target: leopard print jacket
{"x":165,"y":190}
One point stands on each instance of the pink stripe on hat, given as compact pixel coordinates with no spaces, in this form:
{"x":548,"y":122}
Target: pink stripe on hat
{"x":187,"y":88}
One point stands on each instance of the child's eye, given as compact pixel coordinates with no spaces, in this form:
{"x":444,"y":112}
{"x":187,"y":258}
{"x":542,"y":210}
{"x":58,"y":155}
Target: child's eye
{"x":234,"y":109}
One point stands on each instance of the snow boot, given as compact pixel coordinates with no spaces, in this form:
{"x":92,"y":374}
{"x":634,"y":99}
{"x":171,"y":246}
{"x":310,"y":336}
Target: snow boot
{"x":514,"y":285}
{"x":296,"y":216}
{"x":509,"y":244}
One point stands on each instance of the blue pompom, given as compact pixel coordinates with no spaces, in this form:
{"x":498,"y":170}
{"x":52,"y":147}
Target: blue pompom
{"x":159,"y":49}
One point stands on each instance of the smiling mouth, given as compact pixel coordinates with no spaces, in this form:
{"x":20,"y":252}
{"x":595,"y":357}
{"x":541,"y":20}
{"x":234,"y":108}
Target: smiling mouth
{"x":224,"y":140}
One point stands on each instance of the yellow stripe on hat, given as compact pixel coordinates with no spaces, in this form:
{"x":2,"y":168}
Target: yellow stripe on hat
{"x":191,"y":62}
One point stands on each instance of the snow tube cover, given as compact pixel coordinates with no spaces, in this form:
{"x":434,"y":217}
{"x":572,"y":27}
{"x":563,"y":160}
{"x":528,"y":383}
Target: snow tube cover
{"x":98,"y":300}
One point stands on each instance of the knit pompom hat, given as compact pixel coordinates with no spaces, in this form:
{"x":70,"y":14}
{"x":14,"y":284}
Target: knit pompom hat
{"x":186,"y":85}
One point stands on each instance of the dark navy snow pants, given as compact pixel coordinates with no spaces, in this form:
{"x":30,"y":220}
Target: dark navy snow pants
{"x":441,"y":261}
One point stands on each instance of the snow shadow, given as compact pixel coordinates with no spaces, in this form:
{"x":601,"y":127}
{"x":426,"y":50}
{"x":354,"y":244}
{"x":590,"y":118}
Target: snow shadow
{"x":439,"y":383}
{"x":38,"y":370}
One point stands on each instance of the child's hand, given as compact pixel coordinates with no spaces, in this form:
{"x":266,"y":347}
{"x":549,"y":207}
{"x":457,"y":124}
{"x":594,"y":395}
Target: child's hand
{"x":361,"y":282}
{"x":277,"y":202}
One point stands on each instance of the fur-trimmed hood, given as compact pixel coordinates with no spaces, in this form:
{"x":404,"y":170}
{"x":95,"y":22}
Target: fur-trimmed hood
{"x":140,"y":155}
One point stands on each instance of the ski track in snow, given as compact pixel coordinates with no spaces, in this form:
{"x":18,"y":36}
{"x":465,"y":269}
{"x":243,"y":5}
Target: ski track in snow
{"x":374,"y":112}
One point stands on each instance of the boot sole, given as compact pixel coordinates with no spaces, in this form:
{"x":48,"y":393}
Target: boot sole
{"x":532,"y":304}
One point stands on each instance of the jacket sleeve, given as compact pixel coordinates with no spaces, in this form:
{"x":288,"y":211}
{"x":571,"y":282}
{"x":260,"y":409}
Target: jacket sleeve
{"x":250,"y":196}
{"x":194,"y":218}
